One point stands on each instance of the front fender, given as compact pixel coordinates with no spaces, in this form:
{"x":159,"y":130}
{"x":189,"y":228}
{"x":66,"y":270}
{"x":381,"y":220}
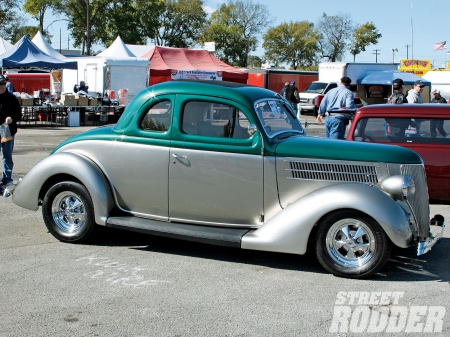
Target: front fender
{"x":26,"y":193}
{"x":289,"y":230}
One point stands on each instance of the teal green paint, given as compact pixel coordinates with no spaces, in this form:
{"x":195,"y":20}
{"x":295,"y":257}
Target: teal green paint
{"x":101,"y":133}
{"x":321,"y":148}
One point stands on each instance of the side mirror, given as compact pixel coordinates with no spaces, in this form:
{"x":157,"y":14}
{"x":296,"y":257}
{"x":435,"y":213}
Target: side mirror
{"x":252,"y":129}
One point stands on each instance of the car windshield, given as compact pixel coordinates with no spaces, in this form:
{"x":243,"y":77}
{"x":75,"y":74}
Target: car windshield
{"x":277,"y":117}
{"x":316,"y":87}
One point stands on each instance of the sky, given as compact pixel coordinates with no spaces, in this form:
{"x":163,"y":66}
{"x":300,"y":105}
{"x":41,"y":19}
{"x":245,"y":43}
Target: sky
{"x":418,"y":24}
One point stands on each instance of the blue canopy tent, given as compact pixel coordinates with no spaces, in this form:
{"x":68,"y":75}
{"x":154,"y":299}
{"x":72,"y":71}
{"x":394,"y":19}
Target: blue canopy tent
{"x":377,"y":86}
{"x":25,"y":54}
{"x":389,"y":76}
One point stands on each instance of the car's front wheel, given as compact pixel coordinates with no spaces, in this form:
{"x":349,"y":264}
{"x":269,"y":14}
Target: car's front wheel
{"x":351,"y":244}
{"x":68,"y":212}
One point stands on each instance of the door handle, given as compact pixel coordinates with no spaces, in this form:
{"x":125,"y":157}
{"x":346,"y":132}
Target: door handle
{"x":177,"y":156}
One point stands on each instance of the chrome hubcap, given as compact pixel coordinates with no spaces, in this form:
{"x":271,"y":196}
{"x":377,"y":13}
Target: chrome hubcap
{"x":68,"y":212}
{"x":350,"y":243}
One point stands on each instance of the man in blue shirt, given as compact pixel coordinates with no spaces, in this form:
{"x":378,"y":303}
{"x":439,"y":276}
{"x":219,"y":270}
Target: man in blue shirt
{"x":338,"y":106}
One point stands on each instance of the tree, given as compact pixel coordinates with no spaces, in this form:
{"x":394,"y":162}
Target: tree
{"x":235,"y":28}
{"x":10,"y":19}
{"x":29,"y":31}
{"x":37,"y":9}
{"x":363,"y":36}
{"x":122,"y":18}
{"x":335,"y":32}
{"x":179,"y":23}
{"x":294,"y":43}
{"x":228,"y":38}
{"x":85,"y":20}
{"x":254,"y":61}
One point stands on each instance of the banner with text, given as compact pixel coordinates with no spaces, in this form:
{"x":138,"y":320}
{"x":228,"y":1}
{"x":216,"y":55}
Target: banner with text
{"x":197,"y":75}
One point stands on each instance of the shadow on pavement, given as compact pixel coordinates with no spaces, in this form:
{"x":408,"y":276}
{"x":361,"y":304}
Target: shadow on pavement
{"x":144,"y":242}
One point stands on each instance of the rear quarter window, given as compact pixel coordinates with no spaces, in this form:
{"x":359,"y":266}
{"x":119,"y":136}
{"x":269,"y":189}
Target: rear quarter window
{"x":403,"y":130}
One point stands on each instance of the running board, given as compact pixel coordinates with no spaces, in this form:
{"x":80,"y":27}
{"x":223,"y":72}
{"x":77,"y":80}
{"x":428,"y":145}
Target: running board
{"x":219,"y":236}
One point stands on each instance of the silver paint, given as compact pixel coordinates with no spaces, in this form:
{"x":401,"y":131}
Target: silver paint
{"x":216,"y":187}
{"x":27,"y":191}
{"x":289,"y":230}
{"x":138,"y":174}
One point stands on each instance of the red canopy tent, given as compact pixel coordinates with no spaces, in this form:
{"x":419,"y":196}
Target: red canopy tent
{"x":165,"y":62}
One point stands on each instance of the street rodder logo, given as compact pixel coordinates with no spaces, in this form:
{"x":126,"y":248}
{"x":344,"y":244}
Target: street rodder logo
{"x":375,"y":312}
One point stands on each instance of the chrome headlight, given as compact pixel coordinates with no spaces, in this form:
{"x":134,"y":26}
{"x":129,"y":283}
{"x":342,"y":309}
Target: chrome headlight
{"x":399,"y":187}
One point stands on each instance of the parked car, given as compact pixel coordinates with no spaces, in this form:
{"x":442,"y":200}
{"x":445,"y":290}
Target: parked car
{"x":424,"y":128}
{"x":249,"y":179}
{"x":318,"y":99}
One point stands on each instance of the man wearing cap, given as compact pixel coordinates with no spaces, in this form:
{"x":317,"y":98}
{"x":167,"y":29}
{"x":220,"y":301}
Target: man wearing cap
{"x":10,"y":113}
{"x":397,"y":96}
{"x":437,"y":124}
{"x":291,"y":95}
{"x":414,"y":93}
{"x":338,"y":106}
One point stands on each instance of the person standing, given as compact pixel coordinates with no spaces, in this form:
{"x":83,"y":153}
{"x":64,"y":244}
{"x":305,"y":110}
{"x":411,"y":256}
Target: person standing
{"x":414,"y":93}
{"x":9,"y":85}
{"x":286,"y":85}
{"x":437,"y":124}
{"x":338,"y":106}
{"x":397,"y":96}
{"x":10,"y":113}
{"x":291,"y":95}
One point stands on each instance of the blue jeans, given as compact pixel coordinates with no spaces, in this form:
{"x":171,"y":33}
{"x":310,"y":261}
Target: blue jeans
{"x":335,"y":127}
{"x":7,"y":162}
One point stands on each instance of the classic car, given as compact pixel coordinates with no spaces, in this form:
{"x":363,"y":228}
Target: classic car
{"x":424,"y":128}
{"x":229,"y":164}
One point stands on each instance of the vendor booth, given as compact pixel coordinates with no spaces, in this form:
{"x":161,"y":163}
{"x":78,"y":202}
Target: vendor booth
{"x":25,"y":54}
{"x":376,"y":87}
{"x":116,"y":72}
{"x":181,"y":63}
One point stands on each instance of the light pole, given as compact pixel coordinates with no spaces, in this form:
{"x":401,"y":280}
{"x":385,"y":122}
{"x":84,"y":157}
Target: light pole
{"x":393,"y":53}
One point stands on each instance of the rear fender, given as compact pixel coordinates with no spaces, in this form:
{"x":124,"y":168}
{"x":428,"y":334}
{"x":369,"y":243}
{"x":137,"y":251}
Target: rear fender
{"x":289,"y":230}
{"x":27,"y":192}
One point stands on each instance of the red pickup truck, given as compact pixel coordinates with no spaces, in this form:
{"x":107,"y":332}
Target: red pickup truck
{"x":424,"y":128}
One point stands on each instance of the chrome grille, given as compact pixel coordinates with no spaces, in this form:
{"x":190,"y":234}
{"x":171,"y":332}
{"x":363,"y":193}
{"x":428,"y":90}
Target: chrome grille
{"x":360,"y":173}
{"x":419,"y":202}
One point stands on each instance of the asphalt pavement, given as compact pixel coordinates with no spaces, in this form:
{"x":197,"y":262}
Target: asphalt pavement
{"x":130,"y":284}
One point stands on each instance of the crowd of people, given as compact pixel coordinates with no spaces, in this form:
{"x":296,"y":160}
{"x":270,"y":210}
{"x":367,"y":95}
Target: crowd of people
{"x":338,"y":106}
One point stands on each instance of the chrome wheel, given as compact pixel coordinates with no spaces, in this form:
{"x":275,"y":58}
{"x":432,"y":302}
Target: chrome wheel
{"x":350,"y":243}
{"x":68,"y":212}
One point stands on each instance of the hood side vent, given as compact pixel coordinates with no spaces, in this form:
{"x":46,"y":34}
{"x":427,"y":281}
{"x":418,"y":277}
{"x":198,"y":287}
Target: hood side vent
{"x":366,"y":174}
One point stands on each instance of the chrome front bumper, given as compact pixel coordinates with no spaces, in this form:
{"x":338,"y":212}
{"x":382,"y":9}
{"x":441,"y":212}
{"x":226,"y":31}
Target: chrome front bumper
{"x":9,"y":191}
{"x":436,"y":232}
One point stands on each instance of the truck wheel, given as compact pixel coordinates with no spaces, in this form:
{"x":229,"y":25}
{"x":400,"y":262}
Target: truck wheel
{"x":68,"y":212}
{"x":316,"y":112}
{"x":350,"y":244}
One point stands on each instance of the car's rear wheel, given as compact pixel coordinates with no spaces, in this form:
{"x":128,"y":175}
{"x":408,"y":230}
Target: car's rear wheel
{"x":68,"y":212}
{"x":351,"y":244}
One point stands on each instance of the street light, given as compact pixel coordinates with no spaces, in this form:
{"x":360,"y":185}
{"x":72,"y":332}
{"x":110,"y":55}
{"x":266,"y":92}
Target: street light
{"x":393,"y":53}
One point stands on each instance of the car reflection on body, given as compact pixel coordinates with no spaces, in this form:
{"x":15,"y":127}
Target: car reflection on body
{"x":228,"y":164}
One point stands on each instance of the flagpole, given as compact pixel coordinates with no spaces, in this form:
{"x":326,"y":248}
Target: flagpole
{"x":412,"y":36}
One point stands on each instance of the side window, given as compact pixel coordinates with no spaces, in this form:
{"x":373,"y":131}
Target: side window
{"x":331,"y":86}
{"x":403,"y":130}
{"x":158,"y":117}
{"x":214,"y":120}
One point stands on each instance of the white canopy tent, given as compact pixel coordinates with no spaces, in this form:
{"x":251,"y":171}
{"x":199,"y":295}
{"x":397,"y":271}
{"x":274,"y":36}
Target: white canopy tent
{"x":40,"y":41}
{"x":4,"y":45}
{"x":117,"y":49}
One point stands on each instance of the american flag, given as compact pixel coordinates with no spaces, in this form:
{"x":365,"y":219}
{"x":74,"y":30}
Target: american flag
{"x":440,"y":45}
